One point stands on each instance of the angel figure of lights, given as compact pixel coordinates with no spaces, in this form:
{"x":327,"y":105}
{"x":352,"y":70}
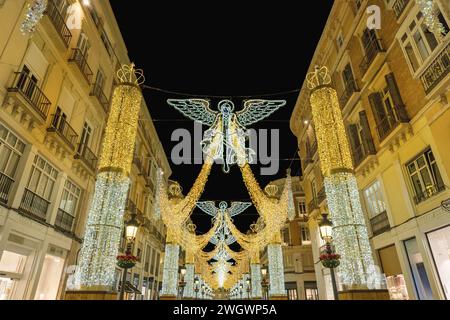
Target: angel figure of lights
{"x":230,"y":126}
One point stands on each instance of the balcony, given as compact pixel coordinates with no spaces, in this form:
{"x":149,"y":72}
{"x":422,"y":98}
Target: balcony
{"x":34,"y":206}
{"x":131,"y":207}
{"x":97,"y":92}
{"x":5,"y":187}
{"x":87,"y":157}
{"x":350,"y":90}
{"x":389,"y":123}
{"x":321,"y":196}
{"x":373,"y":51}
{"x":359,"y":155}
{"x":399,"y":7}
{"x":58,"y":22}
{"x":380,"y":224}
{"x":313,"y":205}
{"x":64,"y":221}
{"x":28,"y":94}
{"x":138,"y":163}
{"x":79,"y":59}
{"x":64,"y":131}
{"x":429,"y":193}
{"x":437,"y":71}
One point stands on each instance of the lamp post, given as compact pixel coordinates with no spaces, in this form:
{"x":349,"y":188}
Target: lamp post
{"x":182,"y":282}
{"x":241,"y":287}
{"x":196,"y":288}
{"x":264,"y":282}
{"x":131,"y":229}
{"x":326,"y":233}
{"x":248,"y":282}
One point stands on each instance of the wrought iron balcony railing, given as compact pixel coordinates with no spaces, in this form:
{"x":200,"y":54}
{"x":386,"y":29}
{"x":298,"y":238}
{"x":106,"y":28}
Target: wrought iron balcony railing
{"x":5,"y":187}
{"x":437,"y":71}
{"x":87,"y":156}
{"x":372,"y":49}
{"x":97,"y":91}
{"x":390,"y":122}
{"x":429,"y":193}
{"x":60,"y":126}
{"x":34,"y":205}
{"x":29,"y":90}
{"x":64,"y":221}
{"x":58,"y":22}
{"x":399,"y":7}
{"x":350,"y":89}
{"x":80,"y":60}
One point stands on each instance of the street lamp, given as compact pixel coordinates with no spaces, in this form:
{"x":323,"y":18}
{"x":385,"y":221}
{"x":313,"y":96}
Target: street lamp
{"x":241,"y":287}
{"x":131,"y":229}
{"x":248,"y":288}
{"x":264,"y":282}
{"x":182,"y":282}
{"x":326,"y":233}
{"x":196,"y":288}
{"x":326,"y":229}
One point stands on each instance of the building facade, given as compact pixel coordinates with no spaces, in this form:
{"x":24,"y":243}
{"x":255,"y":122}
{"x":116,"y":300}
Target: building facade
{"x":394,"y":88}
{"x":54,"y":100}
{"x":299,"y":273}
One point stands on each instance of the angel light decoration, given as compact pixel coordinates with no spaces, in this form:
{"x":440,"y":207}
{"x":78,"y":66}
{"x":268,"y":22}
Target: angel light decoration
{"x":229,"y":126}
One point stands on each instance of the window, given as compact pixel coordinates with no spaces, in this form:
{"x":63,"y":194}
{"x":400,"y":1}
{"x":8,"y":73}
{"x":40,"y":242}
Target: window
{"x":374,"y":200}
{"x":418,"y":42}
{"x":85,"y":138}
{"x":302,"y":208}
{"x":286,"y":236}
{"x":291,"y":290}
{"x":158,"y":263}
{"x":425,"y":177}
{"x":83,"y":45}
{"x":311,"y":291}
{"x":439,"y":241}
{"x":99,"y":83}
{"x":42,"y":179}
{"x":419,"y":274}
{"x":340,"y":40}
{"x":306,"y":238}
{"x":11,"y":150}
{"x":70,"y":198}
{"x":348,"y":79}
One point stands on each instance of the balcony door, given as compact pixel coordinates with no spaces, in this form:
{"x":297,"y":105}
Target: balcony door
{"x":83,"y":45}
{"x":27,"y":82}
{"x":85,"y":138}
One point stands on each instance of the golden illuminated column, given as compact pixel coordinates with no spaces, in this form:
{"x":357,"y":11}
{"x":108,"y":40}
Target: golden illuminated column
{"x":349,"y":229}
{"x":104,"y":225}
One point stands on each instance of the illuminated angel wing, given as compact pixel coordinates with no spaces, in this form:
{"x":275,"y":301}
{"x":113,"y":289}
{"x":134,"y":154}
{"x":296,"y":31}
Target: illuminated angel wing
{"x":238,"y":207}
{"x":208,"y":207}
{"x":230,"y":240}
{"x":195,"y":109}
{"x":257,"y":110}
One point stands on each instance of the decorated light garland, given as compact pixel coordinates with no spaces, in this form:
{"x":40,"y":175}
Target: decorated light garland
{"x":429,"y":10}
{"x":105,"y":219}
{"x":349,"y":231}
{"x":35,"y":12}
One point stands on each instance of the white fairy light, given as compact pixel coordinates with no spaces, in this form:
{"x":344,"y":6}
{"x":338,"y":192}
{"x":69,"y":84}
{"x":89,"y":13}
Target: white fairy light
{"x":35,"y":12}
{"x":429,"y":10}
{"x":276,"y":270}
{"x":170,"y":271}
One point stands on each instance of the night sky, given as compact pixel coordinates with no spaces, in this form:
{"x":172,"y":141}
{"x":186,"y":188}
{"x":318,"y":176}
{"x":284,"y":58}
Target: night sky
{"x":222,"y":50}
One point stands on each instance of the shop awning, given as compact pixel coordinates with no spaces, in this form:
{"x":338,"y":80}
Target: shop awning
{"x":389,"y":261}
